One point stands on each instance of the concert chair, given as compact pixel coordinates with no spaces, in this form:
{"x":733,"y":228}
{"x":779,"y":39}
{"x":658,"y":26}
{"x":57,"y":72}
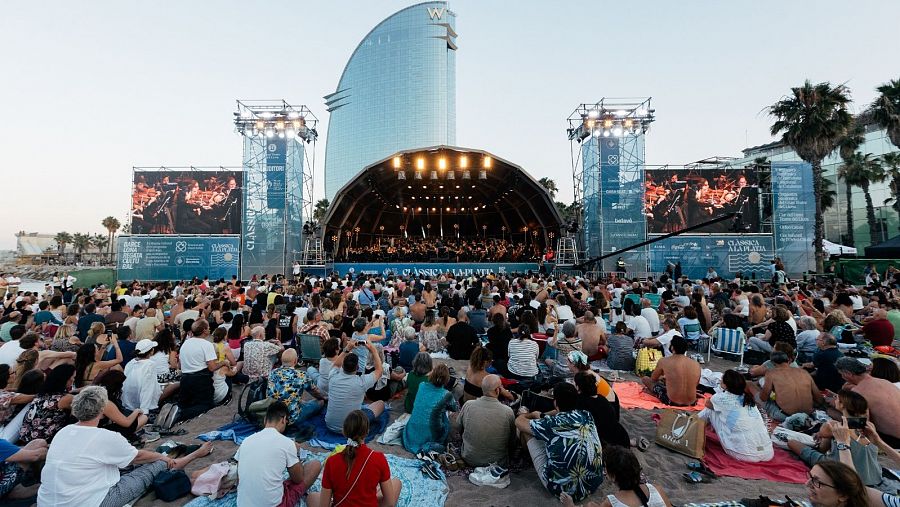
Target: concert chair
{"x":310,"y":348}
{"x":727,"y":341}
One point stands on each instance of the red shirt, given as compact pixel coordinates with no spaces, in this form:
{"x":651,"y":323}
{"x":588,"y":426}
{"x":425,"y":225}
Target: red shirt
{"x":365,"y":492}
{"x":879,"y":332}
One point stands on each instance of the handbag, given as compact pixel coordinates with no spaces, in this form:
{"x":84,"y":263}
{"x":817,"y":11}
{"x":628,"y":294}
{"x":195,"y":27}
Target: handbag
{"x":682,"y":432}
{"x":646,"y":360}
{"x":171,"y":485}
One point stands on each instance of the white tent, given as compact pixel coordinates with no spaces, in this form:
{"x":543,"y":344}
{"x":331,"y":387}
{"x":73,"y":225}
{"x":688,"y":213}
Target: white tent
{"x":836,"y":249}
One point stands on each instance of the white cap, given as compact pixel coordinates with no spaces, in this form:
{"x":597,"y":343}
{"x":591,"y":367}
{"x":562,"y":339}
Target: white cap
{"x":144,"y":346}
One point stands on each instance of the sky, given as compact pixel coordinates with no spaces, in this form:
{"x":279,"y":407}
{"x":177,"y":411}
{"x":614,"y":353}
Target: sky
{"x":91,"y":89}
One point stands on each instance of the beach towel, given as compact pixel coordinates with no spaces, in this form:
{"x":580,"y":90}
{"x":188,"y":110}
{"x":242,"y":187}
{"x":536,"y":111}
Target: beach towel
{"x":236,"y":431}
{"x":327,"y":439}
{"x":632,"y":395}
{"x":393,"y":435}
{"x":417,"y":489}
{"x":783,"y":467}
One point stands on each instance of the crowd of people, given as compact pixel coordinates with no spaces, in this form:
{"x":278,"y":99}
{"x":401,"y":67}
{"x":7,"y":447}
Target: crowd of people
{"x":107,"y":365}
{"x":388,"y":249}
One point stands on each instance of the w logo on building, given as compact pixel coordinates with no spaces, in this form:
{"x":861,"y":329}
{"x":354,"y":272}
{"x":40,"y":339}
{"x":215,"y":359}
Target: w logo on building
{"x":435,"y":12}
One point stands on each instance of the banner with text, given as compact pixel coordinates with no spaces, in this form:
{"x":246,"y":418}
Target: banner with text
{"x":794,"y":215}
{"x":276,"y":160}
{"x":177,"y":257}
{"x":727,"y":255}
{"x":430,"y":269}
{"x":621,"y":204}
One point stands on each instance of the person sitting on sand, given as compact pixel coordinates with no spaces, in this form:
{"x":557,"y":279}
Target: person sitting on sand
{"x":11,"y":473}
{"x":287,"y":385}
{"x":794,"y":387}
{"x":881,"y":395}
{"x":262,"y":460}
{"x":428,"y":426}
{"x":624,"y":469}
{"x":488,"y":427}
{"x":83,"y":464}
{"x":347,"y":389}
{"x":606,"y":419}
{"x":737,"y":421}
{"x":593,"y":338}
{"x":675,"y":379}
{"x":564,"y":445}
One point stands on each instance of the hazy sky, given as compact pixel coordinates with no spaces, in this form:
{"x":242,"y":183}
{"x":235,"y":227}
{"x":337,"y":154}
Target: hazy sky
{"x":91,"y":89}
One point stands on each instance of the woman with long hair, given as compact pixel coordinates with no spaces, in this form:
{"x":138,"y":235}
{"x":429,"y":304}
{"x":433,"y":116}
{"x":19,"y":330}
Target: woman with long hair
{"x":237,"y":334}
{"x":114,"y":414}
{"x":428,"y":426}
{"x":445,"y":320}
{"x":479,"y":362}
{"x":737,"y":420}
{"x":168,"y":367}
{"x":834,"y":484}
{"x":430,"y":334}
{"x":88,"y":363}
{"x":356,"y":475}
{"x":624,"y":469}
{"x":523,"y":355}
{"x":49,"y":411}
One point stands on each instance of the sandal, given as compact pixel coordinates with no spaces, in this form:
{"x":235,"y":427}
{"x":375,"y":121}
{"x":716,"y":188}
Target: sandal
{"x":643,"y":444}
{"x":692,"y":477}
{"x":699,"y":466}
{"x":429,"y":470}
{"x":449,"y":462}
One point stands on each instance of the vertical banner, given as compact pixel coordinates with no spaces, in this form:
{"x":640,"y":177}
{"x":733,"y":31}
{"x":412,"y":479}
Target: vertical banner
{"x":794,"y":215}
{"x":622,"y":202}
{"x":276,"y":159}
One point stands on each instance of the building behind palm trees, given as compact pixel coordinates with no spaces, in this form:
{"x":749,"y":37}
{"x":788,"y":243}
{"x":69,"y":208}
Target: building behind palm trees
{"x":836,"y":230}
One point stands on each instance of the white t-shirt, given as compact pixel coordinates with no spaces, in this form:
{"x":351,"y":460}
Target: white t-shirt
{"x":76,"y":478}
{"x":9,"y":352}
{"x":185,"y":315}
{"x":857,"y":302}
{"x":640,"y":326}
{"x":564,"y":313}
{"x":665,"y":339}
{"x":161,"y":362}
{"x":262,"y":459}
{"x":195,"y":352}
{"x":141,"y":390}
{"x":652,"y":318}
{"x":132,"y":323}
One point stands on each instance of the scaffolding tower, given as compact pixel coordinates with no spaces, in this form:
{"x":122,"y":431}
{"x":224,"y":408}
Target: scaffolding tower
{"x":279,"y":159}
{"x":607,"y":155}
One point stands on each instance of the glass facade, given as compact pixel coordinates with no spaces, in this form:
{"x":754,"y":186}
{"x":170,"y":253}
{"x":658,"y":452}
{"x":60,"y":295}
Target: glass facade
{"x":838,"y":228}
{"x":397,"y":92}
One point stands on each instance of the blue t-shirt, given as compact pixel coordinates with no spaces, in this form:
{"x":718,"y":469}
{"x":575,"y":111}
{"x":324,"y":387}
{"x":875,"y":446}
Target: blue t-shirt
{"x":7,"y":449}
{"x":127,"y":348}
{"x":45,"y":316}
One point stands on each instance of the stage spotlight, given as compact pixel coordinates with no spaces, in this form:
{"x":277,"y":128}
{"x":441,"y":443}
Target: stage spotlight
{"x":442,"y":198}
{"x":442,"y":163}
{"x":418,"y":175}
{"x":462,"y":209}
{"x":293,"y":114}
{"x":281,"y":135}
{"x":629,"y":123}
{"x":397,"y":162}
{"x":466,"y":175}
{"x":279,"y":124}
{"x":419,"y":208}
{"x":482,"y":175}
{"x":290,"y":133}
{"x":433,"y":209}
{"x":434,"y":175}
{"x":617,"y":131}
{"x":451,"y":175}
{"x":597,"y":133}
{"x":420,"y":163}
{"x":621,"y":112}
{"x":470,"y":197}
{"x":486,"y":162}
{"x":267,"y":115}
{"x":605,"y":133}
{"x":409,"y":186}
{"x":404,"y":208}
{"x":270,"y":133}
{"x":401,"y":175}
{"x":593,"y":113}
{"x":607,"y":123}
{"x":448,"y":210}
{"x":260,"y":124}
{"x":440,"y":186}
{"x":457,"y":186}
{"x":463,"y":162}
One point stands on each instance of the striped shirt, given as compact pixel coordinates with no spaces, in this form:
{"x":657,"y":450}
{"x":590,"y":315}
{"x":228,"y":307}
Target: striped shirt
{"x":523,"y":355}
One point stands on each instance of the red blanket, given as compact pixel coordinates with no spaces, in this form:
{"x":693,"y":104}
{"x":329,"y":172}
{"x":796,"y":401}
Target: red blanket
{"x":632,"y":395}
{"x":783,"y":467}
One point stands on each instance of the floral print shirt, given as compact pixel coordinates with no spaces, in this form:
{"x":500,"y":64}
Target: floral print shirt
{"x":574,"y":454}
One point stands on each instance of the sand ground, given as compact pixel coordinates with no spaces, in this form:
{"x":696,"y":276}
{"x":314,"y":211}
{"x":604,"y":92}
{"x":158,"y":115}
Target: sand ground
{"x":662,"y":467}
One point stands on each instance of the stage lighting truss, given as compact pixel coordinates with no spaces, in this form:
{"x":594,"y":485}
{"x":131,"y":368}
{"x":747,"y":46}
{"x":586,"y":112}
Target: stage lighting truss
{"x":440,"y":167}
{"x":611,"y":118}
{"x":271,"y":118}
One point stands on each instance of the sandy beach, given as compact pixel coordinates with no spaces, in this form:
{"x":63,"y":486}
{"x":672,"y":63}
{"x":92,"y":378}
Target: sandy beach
{"x":662,"y":467}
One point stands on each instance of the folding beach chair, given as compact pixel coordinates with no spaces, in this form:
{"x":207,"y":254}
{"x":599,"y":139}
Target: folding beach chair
{"x":728,"y":341}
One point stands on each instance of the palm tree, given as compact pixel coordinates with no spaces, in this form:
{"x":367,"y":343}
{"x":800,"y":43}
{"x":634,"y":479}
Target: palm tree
{"x":886,"y":109}
{"x":62,"y":239}
{"x":861,"y":170}
{"x":320,"y":210}
{"x":813,"y":120}
{"x":100,"y":242}
{"x":550,"y":185}
{"x":81,"y":242}
{"x":891,"y":164}
{"x":828,"y":194}
{"x":112,"y":225}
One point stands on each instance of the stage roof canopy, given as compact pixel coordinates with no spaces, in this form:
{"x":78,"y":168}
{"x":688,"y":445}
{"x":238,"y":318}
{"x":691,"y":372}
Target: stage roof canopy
{"x":443,"y":191}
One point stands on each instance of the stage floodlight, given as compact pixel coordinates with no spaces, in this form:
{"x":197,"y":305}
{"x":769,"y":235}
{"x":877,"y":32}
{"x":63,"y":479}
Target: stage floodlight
{"x":617,"y":132}
{"x":432,"y":209}
{"x":297,"y":124}
{"x":281,"y":135}
{"x":279,"y":124}
{"x":260,"y":125}
{"x":442,"y":163}
{"x":463,"y":162}
{"x":418,"y":175}
{"x":482,"y":175}
{"x":621,"y":112}
{"x":451,"y":175}
{"x":606,"y":133}
{"x":434,"y":175}
{"x":404,"y":208}
{"x":448,"y":210}
{"x":401,"y":175}
{"x":593,"y":114}
{"x":420,"y":163}
{"x":270,"y":133}
{"x":290,"y":133}
{"x":629,"y":123}
{"x":466,"y":175}
{"x":597,"y":132}
{"x":419,"y":208}
{"x":607,"y":123}
{"x":397,"y":162}
{"x":486,"y":162}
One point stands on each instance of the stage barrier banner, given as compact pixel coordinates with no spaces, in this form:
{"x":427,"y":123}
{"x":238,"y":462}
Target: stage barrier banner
{"x":621,"y":205}
{"x":794,"y":215}
{"x":727,"y":254}
{"x":177,"y":257}
{"x":276,"y":159}
{"x":432,"y":269}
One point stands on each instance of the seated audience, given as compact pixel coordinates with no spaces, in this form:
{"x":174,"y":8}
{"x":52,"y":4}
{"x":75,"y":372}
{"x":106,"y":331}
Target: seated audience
{"x":88,"y":363}
{"x":347,"y":389}
{"x":499,"y":335}
{"x":523,"y":356}
{"x":287,"y":385}
{"x":478,"y":364}
{"x":886,"y":368}
{"x":564,"y":446}
{"x":606,"y":418}
{"x":421,"y":368}
{"x":675,"y":379}
{"x":737,"y":420}
{"x":356,"y":475}
{"x":787,"y":391}
{"x":198,"y":362}
{"x":624,"y":470}
{"x":564,"y":343}
{"x":881,"y":395}
{"x":49,"y":411}
{"x":462,"y":339}
{"x":115,"y":416}
{"x":142,"y":389}
{"x":834,"y":484}
{"x":85,"y":451}
{"x":621,"y":347}
{"x":11,"y":472}
{"x":488,"y":427}
{"x":263,"y":458}
{"x":878,"y":330}
{"x":807,"y":339}
{"x":329,"y":352}
{"x":428,"y":426}
{"x":823,"y":363}
{"x":259,"y":354}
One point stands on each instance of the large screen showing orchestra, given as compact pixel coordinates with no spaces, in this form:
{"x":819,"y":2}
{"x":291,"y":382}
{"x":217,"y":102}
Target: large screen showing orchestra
{"x":186,"y":202}
{"x":675,"y":199}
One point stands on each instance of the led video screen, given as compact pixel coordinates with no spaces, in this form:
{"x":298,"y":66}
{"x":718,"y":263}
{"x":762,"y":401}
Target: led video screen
{"x":186,"y":202}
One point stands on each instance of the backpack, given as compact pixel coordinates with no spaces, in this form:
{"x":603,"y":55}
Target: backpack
{"x":171,"y":485}
{"x":252,"y":392}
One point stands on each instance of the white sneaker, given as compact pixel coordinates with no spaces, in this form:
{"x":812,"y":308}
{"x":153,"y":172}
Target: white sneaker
{"x":492,"y":475}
